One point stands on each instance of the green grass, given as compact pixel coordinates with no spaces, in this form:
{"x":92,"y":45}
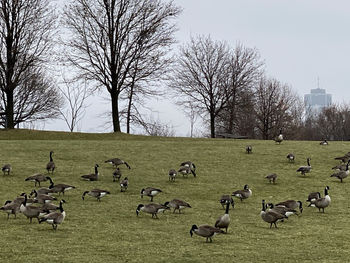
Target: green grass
{"x":110,"y":230}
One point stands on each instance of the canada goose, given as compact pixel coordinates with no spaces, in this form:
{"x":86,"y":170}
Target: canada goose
{"x":116,"y":162}
{"x":321,"y":203}
{"x":315,"y":195}
{"x":271,"y":177}
{"x":177,"y":204}
{"x":344,"y":158}
{"x":224,"y":221}
{"x":291,"y":157}
{"x":55,"y":218}
{"x":248,"y":149}
{"x":11,"y":207}
{"x":172,"y":175}
{"x":91,"y":177}
{"x":342,"y":174}
{"x":270,"y":216}
{"x":279,"y":138}
{"x":226,"y":198}
{"x":150,"y":191}
{"x":292,"y":204}
{"x":324,"y":142}
{"x":124,"y":184}
{"x":42,"y":198}
{"x":282,"y":210}
{"x":44,"y":191}
{"x":60,"y":188}
{"x":50,"y":166}
{"x":37,"y":178}
{"x":117,"y":174}
{"x":340,"y":167}
{"x":7,"y":168}
{"x":48,"y":208}
{"x":20,"y":199}
{"x":205,"y":231}
{"x":29,"y":211}
{"x":243,"y":194}
{"x":305,"y":169}
{"x":191,"y":165}
{"x":97,"y":193}
{"x":151,"y":208}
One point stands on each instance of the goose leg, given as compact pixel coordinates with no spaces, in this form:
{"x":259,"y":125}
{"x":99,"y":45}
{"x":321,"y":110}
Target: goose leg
{"x":151,"y":198}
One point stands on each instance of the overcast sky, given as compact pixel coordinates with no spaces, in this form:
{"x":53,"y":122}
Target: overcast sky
{"x":299,"y":40}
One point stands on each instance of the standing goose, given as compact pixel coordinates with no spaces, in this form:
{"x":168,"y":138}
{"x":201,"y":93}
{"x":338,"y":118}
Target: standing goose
{"x":150,"y":191}
{"x":271,"y":177}
{"x":117,"y":174}
{"x":11,"y":207}
{"x":172,"y":175}
{"x":55,"y":218}
{"x":321,"y":203}
{"x":124,"y":184}
{"x":97,"y":193}
{"x":151,"y":208}
{"x":37,"y":178}
{"x":29,"y":211}
{"x":226,"y":198}
{"x":224,"y":221}
{"x":248,"y":149}
{"x":243,"y":194}
{"x":279,"y":138}
{"x":342,"y":174}
{"x":206,"y":231}
{"x":305,"y":169}
{"x":177,"y":204}
{"x":116,"y":162}
{"x":42,"y":198}
{"x":191,"y":165}
{"x":91,"y":177}
{"x":292,"y":204}
{"x":60,"y":188}
{"x":291,"y":157}
{"x":7,"y":168}
{"x":270,"y":216}
{"x":50,"y":166}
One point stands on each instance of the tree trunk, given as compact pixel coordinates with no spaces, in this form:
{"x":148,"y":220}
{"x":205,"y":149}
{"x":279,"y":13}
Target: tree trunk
{"x":212,"y":125}
{"x":10,"y":124}
{"x":115,"y":112}
{"x":128,"y":114}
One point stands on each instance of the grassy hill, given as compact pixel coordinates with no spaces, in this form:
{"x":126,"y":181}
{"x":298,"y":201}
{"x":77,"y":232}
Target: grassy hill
{"x":110,"y":231}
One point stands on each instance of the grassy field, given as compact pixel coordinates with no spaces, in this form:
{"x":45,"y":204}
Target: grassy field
{"x":110,"y":231}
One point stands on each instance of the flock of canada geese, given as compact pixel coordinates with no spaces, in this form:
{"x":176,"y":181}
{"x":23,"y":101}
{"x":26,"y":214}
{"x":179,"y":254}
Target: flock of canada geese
{"x":38,"y":204}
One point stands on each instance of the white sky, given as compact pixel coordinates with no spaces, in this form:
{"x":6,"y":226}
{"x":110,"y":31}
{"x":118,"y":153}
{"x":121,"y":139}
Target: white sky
{"x":299,"y":40}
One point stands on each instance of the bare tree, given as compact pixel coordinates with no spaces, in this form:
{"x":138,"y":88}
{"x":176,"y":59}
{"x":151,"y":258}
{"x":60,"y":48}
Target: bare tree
{"x":199,"y":77}
{"x":192,"y":114}
{"x":26,"y":33}
{"x":112,"y":38}
{"x":75,"y":95}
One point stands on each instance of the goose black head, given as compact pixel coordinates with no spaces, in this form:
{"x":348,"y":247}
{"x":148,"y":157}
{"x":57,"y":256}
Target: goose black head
{"x":142,"y":191}
{"x":194,"y":227}
{"x":138,"y":209}
{"x":246,"y":187}
{"x":300,"y":206}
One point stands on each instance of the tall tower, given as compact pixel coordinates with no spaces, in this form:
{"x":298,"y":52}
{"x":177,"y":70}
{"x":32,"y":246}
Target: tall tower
{"x":317,"y":99}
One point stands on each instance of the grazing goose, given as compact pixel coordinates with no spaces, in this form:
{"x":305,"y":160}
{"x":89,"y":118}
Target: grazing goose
{"x":224,"y":221}
{"x":7,"y":168}
{"x":270,"y":216}
{"x":97,"y":193}
{"x":292,"y":204}
{"x":191,"y":165}
{"x":29,"y":211}
{"x":55,"y":218}
{"x":342,"y":174}
{"x":243,"y":194}
{"x":291,"y":157}
{"x":91,"y":177}
{"x":20,"y":199}
{"x":184,"y":170}
{"x":279,"y":138}
{"x":42,"y":198}
{"x":177,"y":204}
{"x":48,"y":208}
{"x":172,"y":175}
{"x":37,"y":178}
{"x":248,"y":149}
{"x":226,"y":198}
{"x":60,"y":188}
{"x":340,"y":167}
{"x":305,"y":169}
{"x":206,"y":231}
{"x":282,"y":210}
{"x":151,"y":208}
{"x":44,"y":191}
{"x":117,"y":174}
{"x":321,"y":203}
{"x":324,"y":142}
{"x":344,"y":158}
{"x":116,"y":162}
{"x":11,"y":207}
{"x":50,"y":166}
{"x":124,"y":184}
{"x":271,"y":177}
{"x":150,"y":191}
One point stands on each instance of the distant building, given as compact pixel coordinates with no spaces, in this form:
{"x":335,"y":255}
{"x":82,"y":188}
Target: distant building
{"x":317,"y":99}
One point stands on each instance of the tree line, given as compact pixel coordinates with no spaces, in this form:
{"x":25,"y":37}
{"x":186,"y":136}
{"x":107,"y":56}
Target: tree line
{"x":125,"y":47}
